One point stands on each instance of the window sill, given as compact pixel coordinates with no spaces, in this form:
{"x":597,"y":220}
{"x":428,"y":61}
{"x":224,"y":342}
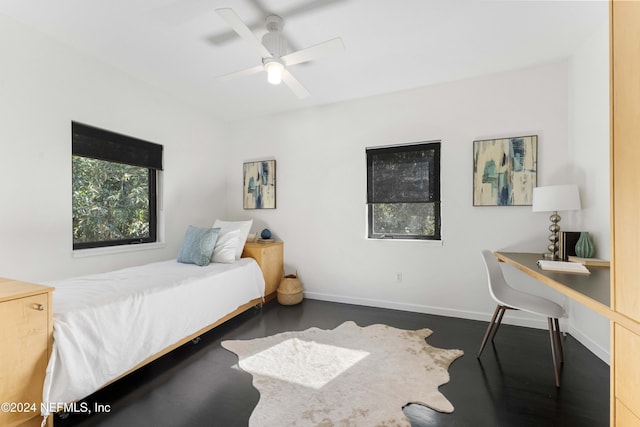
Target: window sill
{"x":421,"y":241}
{"x":83,"y":253}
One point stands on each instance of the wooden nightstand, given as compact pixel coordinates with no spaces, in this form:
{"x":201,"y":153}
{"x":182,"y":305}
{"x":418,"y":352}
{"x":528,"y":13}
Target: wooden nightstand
{"x":25,"y":340}
{"x":270,"y":257}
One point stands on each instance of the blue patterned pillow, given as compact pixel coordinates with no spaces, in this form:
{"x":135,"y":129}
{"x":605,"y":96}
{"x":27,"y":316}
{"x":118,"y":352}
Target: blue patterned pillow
{"x":198,"y":245}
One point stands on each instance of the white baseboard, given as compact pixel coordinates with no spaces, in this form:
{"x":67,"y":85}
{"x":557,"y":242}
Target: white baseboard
{"x":594,"y":347}
{"x":516,"y":319}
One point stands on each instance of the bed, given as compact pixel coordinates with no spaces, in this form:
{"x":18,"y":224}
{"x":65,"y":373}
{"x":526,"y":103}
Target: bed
{"x":107,"y":325}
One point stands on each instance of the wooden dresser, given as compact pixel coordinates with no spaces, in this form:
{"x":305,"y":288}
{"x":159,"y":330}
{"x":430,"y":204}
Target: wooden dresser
{"x":625,"y":212}
{"x":270,"y":257}
{"x":25,"y":346}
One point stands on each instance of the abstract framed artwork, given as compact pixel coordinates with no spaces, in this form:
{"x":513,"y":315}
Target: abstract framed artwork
{"x":505,"y":171}
{"x":259,"y":185}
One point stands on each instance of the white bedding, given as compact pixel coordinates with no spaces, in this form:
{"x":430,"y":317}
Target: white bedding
{"x":105,"y":324}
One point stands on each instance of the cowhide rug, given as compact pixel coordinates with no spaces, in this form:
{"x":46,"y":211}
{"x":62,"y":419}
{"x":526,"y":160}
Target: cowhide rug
{"x":348,"y":376}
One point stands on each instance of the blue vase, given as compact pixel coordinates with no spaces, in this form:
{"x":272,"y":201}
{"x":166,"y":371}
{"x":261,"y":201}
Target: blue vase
{"x":584,"y":246}
{"x":266,"y":234}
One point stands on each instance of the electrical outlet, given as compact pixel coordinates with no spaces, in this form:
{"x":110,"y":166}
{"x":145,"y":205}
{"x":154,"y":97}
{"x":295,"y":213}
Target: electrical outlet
{"x":399,"y":277}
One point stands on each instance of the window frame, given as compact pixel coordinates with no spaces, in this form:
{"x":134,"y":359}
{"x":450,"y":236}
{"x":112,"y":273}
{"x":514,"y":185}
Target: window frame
{"x":433,"y":197}
{"x":96,"y":143}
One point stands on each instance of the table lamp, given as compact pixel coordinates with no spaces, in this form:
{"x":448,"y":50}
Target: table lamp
{"x":554,"y":198}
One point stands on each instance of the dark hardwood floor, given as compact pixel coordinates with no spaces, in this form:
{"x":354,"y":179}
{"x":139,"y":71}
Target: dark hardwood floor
{"x":512,"y":385}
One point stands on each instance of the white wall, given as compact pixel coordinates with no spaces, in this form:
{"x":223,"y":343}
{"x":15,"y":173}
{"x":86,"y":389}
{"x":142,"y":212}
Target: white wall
{"x":321,"y":186}
{"x":43,"y":87}
{"x":589,"y":151}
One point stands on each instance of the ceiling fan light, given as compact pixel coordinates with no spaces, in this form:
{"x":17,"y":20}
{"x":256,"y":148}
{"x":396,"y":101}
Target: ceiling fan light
{"x":274,"y":72}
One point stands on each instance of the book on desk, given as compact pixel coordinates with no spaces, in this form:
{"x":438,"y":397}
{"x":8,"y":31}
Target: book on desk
{"x":567,"y":244}
{"x":563,"y":266}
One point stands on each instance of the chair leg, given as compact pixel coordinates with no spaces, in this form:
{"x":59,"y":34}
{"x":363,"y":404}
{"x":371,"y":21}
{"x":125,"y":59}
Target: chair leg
{"x":503,"y":309}
{"x":490,"y":327}
{"x":559,"y":336}
{"x":553,"y":338}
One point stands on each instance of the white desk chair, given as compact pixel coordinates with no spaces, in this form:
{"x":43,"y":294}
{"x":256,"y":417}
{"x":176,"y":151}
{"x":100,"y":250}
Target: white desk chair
{"x":511,"y":299}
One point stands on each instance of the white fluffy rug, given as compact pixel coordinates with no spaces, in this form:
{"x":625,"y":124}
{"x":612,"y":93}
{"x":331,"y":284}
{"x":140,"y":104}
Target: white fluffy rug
{"x":348,"y":376}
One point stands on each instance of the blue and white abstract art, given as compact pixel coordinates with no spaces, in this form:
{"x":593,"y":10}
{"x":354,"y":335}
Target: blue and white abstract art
{"x":505,"y":171}
{"x":260,"y":185}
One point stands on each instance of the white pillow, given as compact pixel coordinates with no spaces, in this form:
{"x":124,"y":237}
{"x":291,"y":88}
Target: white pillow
{"x":225,"y":249}
{"x":243,"y":226}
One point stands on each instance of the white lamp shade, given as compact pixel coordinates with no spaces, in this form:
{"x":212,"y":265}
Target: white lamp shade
{"x":556,"y":198}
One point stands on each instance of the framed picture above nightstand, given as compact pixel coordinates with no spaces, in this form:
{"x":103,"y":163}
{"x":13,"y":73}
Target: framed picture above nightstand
{"x":259,"y":185}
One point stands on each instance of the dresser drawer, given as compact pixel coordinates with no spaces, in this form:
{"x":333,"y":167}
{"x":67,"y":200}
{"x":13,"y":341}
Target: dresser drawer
{"x":23,"y":360}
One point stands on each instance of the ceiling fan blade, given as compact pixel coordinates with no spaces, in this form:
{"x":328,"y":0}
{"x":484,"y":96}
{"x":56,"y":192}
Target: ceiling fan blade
{"x":295,"y":86}
{"x":309,"y":6}
{"x":243,"y":31}
{"x":317,"y":51}
{"x":241,"y":73}
{"x":300,"y":9}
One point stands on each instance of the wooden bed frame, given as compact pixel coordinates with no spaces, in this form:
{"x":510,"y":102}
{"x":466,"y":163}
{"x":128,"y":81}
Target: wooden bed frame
{"x":257,"y":302}
{"x":270,"y":259}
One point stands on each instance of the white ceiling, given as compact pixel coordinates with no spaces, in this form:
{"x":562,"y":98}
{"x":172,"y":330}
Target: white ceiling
{"x":390,"y":45}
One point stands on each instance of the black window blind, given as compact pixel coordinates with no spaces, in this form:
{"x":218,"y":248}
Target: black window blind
{"x":404,"y":174}
{"x":89,"y":141}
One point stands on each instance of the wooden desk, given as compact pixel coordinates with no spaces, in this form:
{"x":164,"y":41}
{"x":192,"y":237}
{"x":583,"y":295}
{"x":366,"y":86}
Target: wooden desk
{"x":591,"y":290}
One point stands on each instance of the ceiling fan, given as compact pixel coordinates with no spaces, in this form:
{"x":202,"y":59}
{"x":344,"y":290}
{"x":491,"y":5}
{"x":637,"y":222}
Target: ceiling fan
{"x":273,"y":50}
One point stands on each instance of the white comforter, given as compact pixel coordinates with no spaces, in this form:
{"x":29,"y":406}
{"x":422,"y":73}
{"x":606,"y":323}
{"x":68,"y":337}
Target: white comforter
{"x":105,"y":324}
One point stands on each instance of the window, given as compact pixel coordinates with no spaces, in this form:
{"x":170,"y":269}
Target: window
{"x":114,"y":188}
{"x":403,"y":191}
